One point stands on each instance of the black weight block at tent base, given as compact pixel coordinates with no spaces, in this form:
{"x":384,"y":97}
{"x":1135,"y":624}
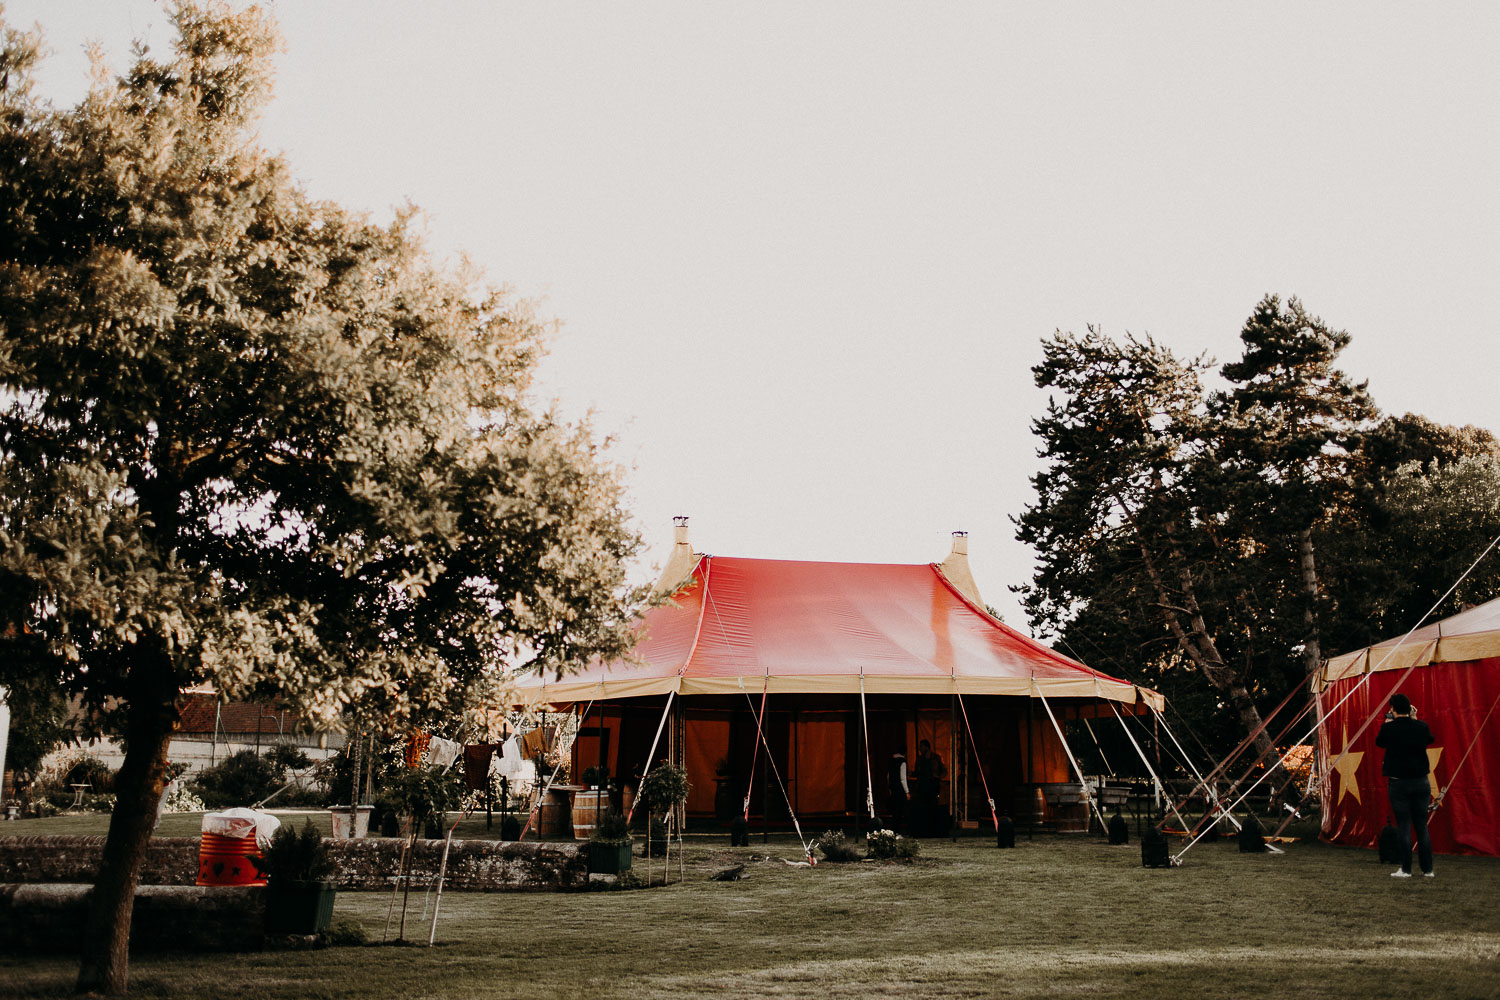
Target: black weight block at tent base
{"x":1005,"y":832}
{"x":1390,"y":846}
{"x":1154,"y":850}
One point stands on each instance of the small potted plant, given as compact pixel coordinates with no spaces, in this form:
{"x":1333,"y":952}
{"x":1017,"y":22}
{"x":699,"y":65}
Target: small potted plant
{"x":299,"y":897}
{"x":424,"y":795}
{"x":663,"y":789}
{"x":609,"y":845}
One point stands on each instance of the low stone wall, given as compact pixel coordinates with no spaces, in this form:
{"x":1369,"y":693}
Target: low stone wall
{"x":473,"y":865}
{"x":168,"y":861}
{"x":47,"y":918}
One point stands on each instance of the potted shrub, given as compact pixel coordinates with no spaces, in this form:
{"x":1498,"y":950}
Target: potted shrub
{"x":656,"y":836}
{"x":663,"y":789}
{"x":299,"y":897}
{"x":424,"y":794}
{"x":609,"y":845}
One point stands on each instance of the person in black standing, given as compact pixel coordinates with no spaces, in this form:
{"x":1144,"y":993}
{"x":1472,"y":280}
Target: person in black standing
{"x":899,"y":789}
{"x":927,"y":819}
{"x":1405,"y":740}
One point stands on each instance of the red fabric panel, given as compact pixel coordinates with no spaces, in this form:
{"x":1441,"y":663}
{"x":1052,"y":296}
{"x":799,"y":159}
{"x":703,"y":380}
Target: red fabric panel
{"x":1453,"y":698}
{"x":706,"y":742}
{"x":934,"y":727}
{"x":598,"y":728}
{"x":819,"y":774}
{"x":1049,"y":759}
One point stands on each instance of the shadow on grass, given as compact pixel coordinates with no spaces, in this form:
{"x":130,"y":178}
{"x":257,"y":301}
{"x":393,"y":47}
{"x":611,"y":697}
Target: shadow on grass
{"x":1057,"y":916}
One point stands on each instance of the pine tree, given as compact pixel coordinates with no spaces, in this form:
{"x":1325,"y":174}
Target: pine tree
{"x":1122,"y":527}
{"x":1290,"y":429}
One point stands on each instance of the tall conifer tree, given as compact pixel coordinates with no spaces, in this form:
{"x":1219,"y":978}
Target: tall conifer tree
{"x":1290,"y":427}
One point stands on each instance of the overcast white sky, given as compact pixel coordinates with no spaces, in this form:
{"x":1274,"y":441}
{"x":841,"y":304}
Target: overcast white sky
{"x":803,"y":254}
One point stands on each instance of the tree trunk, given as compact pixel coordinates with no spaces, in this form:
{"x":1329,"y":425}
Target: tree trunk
{"x":1312,"y":648}
{"x":150,"y":719}
{"x":1200,"y":646}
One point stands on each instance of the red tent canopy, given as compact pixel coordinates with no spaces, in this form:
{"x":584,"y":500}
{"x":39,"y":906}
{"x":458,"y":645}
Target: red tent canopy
{"x":828,"y":628}
{"x":836,"y":666}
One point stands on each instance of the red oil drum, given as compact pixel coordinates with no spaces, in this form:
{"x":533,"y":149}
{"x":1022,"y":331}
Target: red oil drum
{"x":228,"y":860}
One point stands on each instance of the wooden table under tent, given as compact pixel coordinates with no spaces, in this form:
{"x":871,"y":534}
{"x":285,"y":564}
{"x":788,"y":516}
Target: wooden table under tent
{"x":785,"y":688}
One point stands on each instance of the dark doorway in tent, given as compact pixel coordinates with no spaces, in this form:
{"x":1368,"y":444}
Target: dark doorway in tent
{"x":888,"y":734}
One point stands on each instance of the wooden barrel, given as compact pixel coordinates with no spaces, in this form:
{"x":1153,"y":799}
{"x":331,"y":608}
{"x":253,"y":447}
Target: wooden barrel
{"x":228,"y":861}
{"x":552,"y":818}
{"x":1072,"y":818}
{"x":588,"y":805}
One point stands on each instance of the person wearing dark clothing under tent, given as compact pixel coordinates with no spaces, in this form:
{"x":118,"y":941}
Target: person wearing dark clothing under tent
{"x":927,"y":818}
{"x":1405,"y":740}
{"x":900,"y":791}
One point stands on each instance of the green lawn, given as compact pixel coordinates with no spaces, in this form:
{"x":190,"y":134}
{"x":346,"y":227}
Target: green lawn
{"x":1057,"y":916}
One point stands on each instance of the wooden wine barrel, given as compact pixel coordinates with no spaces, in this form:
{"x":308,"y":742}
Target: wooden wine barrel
{"x":588,"y":805}
{"x":552,"y":818}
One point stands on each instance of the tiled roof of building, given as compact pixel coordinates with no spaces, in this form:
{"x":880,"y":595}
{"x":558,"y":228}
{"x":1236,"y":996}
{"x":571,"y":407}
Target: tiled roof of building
{"x":234,"y":717}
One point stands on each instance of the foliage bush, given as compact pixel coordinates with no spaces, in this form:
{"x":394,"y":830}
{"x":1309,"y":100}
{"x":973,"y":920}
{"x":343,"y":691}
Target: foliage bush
{"x":179,"y":799}
{"x":246,"y":777}
{"x":296,"y":856}
{"x":663,"y":787}
{"x":78,"y":767}
{"x":336,"y":774}
{"x":888,"y":844}
{"x":836,"y":847}
{"x":38,"y":724}
{"x":423,"y":793}
{"x":98,"y":803}
{"x":611,"y":828}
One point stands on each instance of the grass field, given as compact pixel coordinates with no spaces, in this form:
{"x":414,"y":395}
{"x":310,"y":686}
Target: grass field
{"x":1058,"y":916}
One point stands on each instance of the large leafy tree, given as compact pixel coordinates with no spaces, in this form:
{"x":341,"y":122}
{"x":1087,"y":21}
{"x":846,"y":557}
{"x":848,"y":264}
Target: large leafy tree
{"x":1135,"y":562}
{"x":1430,"y":507}
{"x":1243,"y":532}
{"x":253,"y":439}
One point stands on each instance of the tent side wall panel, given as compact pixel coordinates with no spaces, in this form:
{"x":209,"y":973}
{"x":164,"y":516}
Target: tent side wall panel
{"x":1454,"y":699}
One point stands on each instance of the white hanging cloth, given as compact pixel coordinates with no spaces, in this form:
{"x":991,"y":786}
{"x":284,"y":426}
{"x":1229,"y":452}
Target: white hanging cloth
{"x":442,"y":753}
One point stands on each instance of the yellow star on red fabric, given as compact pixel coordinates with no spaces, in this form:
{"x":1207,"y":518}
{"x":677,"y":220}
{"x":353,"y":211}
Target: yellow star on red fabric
{"x":1347,"y":766}
{"x":1433,"y":753}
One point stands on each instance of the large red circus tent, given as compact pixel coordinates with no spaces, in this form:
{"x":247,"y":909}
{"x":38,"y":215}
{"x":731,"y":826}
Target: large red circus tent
{"x":1451,"y":672}
{"x":839,"y":665}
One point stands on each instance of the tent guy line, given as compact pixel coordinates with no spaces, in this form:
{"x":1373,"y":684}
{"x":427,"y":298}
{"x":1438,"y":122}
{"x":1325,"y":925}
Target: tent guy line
{"x":1365,"y":725}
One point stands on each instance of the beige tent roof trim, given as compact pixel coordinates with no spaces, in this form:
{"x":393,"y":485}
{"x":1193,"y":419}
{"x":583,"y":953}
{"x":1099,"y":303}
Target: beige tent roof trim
{"x":1472,"y":634}
{"x":565,"y":691}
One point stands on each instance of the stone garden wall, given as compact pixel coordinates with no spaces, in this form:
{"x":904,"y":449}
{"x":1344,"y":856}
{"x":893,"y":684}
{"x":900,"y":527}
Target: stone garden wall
{"x":49,"y":918}
{"x":372,"y":864}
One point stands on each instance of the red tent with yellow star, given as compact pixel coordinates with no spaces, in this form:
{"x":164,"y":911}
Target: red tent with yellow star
{"x":1451,"y":672}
